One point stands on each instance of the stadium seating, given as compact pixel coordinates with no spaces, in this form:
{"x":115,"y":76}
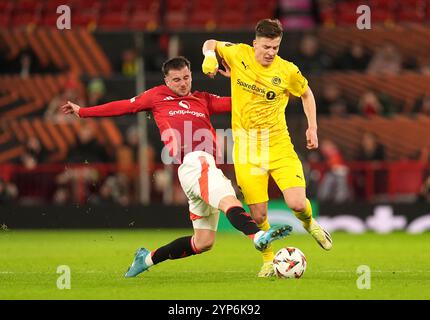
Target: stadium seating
{"x":76,"y":50}
{"x":139,"y":15}
{"x":386,"y":12}
{"x":176,"y":14}
{"x":56,"y":137}
{"x":401,"y":135}
{"x":354,"y":84}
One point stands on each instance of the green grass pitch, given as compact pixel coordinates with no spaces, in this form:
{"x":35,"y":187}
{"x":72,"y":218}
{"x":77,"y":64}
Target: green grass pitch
{"x":399,"y":265}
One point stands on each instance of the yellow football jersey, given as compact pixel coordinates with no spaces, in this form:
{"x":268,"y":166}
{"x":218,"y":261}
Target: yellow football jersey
{"x":260,"y":94}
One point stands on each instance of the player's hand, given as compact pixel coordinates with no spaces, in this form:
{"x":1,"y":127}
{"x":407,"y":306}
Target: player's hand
{"x":227,"y":72}
{"x":71,"y":108}
{"x":210,"y":64}
{"x":311,"y":138}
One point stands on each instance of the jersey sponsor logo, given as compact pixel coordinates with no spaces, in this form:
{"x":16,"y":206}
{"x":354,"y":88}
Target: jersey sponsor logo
{"x":184,"y":112}
{"x":184,"y":104}
{"x":276,"y":81}
{"x":252,"y":87}
{"x":270,"y":95}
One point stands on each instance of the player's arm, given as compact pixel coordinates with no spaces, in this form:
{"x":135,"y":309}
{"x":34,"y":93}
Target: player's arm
{"x":111,"y":109}
{"x":210,"y":64}
{"x":219,"y":104}
{"x":309,"y":107}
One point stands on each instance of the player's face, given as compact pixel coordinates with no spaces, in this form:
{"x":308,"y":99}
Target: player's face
{"x":179,"y":81}
{"x":266,"y":50}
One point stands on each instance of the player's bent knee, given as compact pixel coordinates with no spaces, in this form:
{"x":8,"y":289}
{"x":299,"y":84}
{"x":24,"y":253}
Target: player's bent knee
{"x":298,"y":206}
{"x":228,"y":202}
{"x":204,"y":245}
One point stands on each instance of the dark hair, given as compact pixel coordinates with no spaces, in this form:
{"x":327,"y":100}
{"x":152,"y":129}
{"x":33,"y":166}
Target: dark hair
{"x":176,"y":63}
{"x":268,"y":28}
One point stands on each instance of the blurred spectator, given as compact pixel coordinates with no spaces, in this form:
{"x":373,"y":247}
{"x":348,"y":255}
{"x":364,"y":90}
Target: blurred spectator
{"x":425,"y":190}
{"x":53,"y":112}
{"x":422,"y":155}
{"x":96,"y":90}
{"x":130,"y":149}
{"x":425,"y":69}
{"x":114,"y":190}
{"x":422,"y":105}
{"x":369,"y":104}
{"x":332,"y":101}
{"x":132,"y":142}
{"x":61,"y":196}
{"x":129,"y":63}
{"x":296,"y":14}
{"x":156,"y":51}
{"x":311,"y":59}
{"x":8,"y":192}
{"x":334,"y":185}
{"x":34,"y":153}
{"x":370,"y":148}
{"x":386,"y":60}
{"x":4,"y":58}
{"x":24,"y":63}
{"x":87,"y":149}
{"x":75,"y":184}
{"x":355,"y":58}
{"x":312,"y":174}
{"x":389,"y":106}
{"x":73,"y":91}
{"x":28,"y":64}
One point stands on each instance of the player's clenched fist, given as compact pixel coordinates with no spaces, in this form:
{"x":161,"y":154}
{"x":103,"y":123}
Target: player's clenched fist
{"x":210,"y":64}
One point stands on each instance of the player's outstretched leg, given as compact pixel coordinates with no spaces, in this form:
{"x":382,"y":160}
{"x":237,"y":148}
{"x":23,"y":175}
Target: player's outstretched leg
{"x":242,"y":221}
{"x":263,"y":238}
{"x":266,"y":269}
{"x":139,"y":264}
{"x":177,"y":249}
{"x":322,"y":236}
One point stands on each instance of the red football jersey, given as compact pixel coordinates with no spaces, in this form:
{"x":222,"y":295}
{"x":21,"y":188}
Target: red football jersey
{"x":183,"y":122}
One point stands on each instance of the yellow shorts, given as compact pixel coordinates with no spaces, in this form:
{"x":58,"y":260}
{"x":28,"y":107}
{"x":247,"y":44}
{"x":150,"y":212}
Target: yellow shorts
{"x":253,"y":180}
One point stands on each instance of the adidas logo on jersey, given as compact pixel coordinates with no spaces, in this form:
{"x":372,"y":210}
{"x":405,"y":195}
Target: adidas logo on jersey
{"x":168,"y":98}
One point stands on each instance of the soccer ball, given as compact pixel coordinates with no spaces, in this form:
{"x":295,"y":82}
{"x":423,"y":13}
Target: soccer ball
{"x":289,"y":262}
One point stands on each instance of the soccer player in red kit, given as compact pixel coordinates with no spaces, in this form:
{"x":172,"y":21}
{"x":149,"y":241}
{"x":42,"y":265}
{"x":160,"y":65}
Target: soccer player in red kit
{"x":181,"y":116}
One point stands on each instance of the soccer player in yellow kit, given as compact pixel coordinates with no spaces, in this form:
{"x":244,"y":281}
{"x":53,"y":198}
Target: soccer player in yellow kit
{"x":261,"y":83}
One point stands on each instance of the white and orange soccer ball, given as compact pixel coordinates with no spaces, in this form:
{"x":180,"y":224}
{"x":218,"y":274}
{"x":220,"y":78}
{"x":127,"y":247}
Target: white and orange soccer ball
{"x":289,"y":262}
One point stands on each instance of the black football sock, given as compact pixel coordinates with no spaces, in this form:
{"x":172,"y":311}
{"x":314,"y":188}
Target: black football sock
{"x":242,"y":221}
{"x":177,"y":249}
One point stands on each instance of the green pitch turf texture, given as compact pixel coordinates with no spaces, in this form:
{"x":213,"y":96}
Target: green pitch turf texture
{"x":399,"y":264}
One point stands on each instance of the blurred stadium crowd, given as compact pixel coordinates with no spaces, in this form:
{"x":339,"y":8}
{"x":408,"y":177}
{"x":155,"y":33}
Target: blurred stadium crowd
{"x":372,"y":89}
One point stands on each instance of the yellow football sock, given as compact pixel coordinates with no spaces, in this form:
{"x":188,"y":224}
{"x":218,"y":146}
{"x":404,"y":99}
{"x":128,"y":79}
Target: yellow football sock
{"x":267,"y":253}
{"x":305,"y":216}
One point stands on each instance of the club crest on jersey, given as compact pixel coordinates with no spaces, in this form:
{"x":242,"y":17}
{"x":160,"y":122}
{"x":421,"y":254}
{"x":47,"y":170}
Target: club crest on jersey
{"x":276,"y":81}
{"x":184,"y":104}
